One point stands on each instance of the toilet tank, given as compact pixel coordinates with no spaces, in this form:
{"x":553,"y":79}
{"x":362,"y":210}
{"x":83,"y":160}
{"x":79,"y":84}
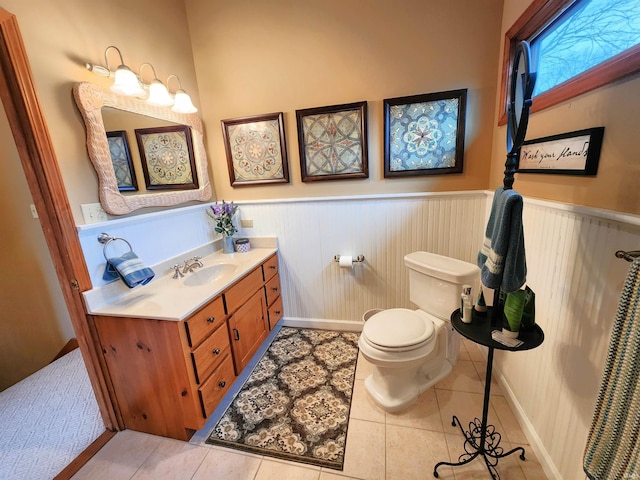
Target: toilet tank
{"x":435,"y":282}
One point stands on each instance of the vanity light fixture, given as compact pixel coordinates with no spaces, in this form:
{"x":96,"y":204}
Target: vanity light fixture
{"x":183,"y":102}
{"x":125,"y":81}
{"x":158,"y":93}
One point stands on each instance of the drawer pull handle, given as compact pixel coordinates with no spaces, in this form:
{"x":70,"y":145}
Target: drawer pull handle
{"x":236,"y":334}
{"x":278,"y":312}
{"x":216,"y":351}
{"x":211,"y":319}
{"x":222,"y":384}
{"x":275,"y":289}
{"x":272,"y":267}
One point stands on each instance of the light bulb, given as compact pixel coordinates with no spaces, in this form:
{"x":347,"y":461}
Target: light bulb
{"x":159,"y":95}
{"x":183,"y":103}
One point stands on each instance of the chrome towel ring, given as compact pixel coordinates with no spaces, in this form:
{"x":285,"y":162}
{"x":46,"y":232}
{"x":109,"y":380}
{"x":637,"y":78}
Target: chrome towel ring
{"x":106,"y":239}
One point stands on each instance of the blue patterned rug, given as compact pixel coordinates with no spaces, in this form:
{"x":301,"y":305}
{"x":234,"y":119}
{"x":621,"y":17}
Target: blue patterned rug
{"x":295,"y":404}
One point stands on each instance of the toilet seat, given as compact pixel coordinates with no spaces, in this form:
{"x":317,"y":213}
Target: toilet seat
{"x":398,"y":330}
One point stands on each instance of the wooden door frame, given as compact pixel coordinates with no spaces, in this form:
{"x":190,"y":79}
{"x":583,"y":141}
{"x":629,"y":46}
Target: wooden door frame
{"x":38,"y":158}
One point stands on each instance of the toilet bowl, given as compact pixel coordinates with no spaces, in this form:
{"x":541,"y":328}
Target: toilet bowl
{"x":411,"y":350}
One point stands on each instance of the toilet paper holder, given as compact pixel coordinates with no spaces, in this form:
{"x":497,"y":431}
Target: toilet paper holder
{"x":359,"y":258}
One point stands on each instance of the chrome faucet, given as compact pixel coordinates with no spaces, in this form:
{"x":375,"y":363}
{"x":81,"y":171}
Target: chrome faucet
{"x":192,"y":263}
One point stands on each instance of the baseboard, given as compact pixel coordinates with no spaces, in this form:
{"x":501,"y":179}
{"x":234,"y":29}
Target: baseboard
{"x":86,"y":455}
{"x":322,"y":323}
{"x":527,"y":428}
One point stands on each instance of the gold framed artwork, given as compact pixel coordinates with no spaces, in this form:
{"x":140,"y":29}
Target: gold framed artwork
{"x":256,"y":150}
{"x":333,"y":142}
{"x":167,"y":157}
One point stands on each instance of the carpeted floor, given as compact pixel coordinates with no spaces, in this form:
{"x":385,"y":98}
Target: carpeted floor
{"x":295,"y":404}
{"x":47,"y":420}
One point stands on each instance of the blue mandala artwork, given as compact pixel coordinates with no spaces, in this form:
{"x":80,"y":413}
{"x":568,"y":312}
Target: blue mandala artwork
{"x":423,"y":135}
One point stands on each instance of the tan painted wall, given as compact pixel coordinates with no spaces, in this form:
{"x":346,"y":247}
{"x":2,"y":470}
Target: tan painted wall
{"x":615,"y":107}
{"x":278,"y":56}
{"x":34,"y":320}
{"x":61,"y":36}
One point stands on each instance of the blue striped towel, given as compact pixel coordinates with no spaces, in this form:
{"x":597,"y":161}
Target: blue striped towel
{"x":129,"y":268}
{"x":502,"y":258}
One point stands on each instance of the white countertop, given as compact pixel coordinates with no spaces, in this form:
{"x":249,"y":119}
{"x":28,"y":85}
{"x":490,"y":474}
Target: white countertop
{"x":166,"y":298}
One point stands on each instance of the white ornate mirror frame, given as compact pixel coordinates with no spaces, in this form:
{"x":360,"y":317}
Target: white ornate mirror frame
{"x":90,"y":99}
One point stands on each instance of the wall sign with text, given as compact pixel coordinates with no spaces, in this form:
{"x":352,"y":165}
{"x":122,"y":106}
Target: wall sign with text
{"x":574,"y":153}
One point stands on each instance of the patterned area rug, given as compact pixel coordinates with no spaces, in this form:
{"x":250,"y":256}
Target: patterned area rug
{"x":295,"y":404}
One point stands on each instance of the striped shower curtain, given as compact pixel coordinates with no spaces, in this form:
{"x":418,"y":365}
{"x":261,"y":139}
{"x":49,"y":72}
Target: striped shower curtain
{"x":613,"y":446}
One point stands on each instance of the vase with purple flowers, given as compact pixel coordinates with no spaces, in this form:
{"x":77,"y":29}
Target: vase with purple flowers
{"x":222,"y":214}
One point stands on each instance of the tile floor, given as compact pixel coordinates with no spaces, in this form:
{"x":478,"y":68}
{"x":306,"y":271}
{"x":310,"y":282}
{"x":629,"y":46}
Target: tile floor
{"x":380,"y":445}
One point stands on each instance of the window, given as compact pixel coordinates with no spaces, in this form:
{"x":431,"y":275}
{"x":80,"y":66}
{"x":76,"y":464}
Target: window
{"x":577,"y":45}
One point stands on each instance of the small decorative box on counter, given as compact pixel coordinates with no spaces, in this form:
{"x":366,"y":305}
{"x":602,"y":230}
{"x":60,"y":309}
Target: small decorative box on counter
{"x":242,"y":245}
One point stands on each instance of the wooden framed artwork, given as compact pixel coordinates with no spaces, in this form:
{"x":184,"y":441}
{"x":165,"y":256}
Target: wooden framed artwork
{"x":333,"y":142}
{"x":573,"y":153}
{"x":121,"y":159}
{"x":167,"y":157}
{"x":256,"y":150}
{"x":424,"y":134}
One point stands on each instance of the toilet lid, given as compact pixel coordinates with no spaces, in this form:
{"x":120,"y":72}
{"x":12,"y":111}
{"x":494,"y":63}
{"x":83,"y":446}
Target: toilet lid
{"x":398,"y":328}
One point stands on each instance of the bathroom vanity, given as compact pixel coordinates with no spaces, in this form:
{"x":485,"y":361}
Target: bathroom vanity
{"x":173,"y":350}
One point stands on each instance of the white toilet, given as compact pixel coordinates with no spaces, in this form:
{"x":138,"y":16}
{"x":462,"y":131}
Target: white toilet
{"x":411,"y":350}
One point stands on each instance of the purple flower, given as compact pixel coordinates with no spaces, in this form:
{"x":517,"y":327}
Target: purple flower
{"x":223,"y":216}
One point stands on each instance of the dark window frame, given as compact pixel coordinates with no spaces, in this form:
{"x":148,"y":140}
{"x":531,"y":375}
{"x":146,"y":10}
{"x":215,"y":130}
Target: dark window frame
{"x":537,"y":16}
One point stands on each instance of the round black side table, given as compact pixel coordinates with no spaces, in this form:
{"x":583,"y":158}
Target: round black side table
{"x":482,"y":440}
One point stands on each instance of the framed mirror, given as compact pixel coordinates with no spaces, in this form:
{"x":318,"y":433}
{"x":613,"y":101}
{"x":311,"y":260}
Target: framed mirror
{"x":97,"y":107}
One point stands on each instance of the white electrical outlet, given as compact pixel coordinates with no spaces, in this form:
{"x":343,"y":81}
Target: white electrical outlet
{"x":34,"y":212}
{"x":93,"y":213}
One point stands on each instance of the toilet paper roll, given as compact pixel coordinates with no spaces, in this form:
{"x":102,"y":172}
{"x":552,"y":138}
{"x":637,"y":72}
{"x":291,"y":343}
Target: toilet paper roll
{"x":346,"y":261}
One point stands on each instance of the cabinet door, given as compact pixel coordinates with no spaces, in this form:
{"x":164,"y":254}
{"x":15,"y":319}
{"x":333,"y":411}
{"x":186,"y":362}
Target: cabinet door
{"x":248,"y":329}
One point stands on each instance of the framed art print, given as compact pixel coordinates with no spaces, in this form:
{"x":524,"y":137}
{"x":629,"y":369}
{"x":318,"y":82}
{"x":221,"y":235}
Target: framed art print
{"x":256,"y":150}
{"x":121,"y":159}
{"x":333,"y":142}
{"x":573,"y":153}
{"x":167,"y":158}
{"x":424,"y":134}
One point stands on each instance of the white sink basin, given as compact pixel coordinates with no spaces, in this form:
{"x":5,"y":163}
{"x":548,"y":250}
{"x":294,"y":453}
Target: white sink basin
{"x":204,"y":275}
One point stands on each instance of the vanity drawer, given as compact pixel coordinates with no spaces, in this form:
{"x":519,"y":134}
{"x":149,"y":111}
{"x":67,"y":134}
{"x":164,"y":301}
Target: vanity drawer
{"x":270,"y":267}
{"x":243,"y":290}
{"x":275,"y":312}
{"x":204,"y":321}
{"x":273,"y":289}
{"x":216,"y":386}
{"x":208,"y":355}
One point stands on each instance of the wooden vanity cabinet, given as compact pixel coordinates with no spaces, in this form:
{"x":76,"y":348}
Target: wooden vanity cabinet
{"x":168,"y":376}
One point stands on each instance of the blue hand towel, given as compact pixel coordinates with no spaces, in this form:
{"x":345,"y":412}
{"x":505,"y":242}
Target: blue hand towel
{"x":502,"y":259}
{"x":129,"y":268}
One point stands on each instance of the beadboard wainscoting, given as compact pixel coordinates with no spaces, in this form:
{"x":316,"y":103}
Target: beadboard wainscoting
{"x":383,"y":229}
{"x":577,"y":279}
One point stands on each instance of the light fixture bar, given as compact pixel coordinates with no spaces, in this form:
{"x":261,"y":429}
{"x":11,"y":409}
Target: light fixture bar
{"x":127,"y":83}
